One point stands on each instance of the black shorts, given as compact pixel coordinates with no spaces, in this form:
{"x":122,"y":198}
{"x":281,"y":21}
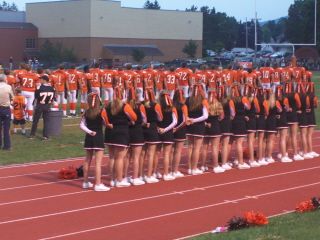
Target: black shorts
{"x":311,"y":119}
{"x":271,"y":124}
{"x":225,"y":126}
{"x":302,"y":119}
{"x":117,"y":136}
{"x":239,"y":126}
{"x":19,"y":122}
{"x":261,"y":123}
{"x":180,"y":135}
{"x":282,"y":121}
{"x":150,"y":134}
{"x":292,"y":117}
{"x":251,"y":125}
{"x":196,"y":129}
{"x":166,"y":137}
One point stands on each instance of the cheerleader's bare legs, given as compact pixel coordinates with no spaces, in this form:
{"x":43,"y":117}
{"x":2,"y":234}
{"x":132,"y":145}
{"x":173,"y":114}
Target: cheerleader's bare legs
{"x":98,"y":158}
{"x":225,"y":151}
{"x":142,"y":161}
{"x":150,"y":152}
{"x":190,"y":150}
{"x":157,"y":153}
{"x":293,"y":138}
{"x":204,"y":154}
{"x":261,"y":149}
{"x":111,"y":165}
{"x":166,"y":158}
{"x":86,"y":165}
{"x":195,"y":155}
{"x":215,"y":141}
{"x":269,"y":146}
{"x":283,"y":145}
{"x":177,"y":150}
{"x":309,"y":142}
{"x":304,"y":131}
{"x":250,"y":139}
{"x":119,"y":155}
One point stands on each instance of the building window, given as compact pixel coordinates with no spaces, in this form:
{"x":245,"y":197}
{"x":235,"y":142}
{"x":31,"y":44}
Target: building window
{"x":30,"y":43}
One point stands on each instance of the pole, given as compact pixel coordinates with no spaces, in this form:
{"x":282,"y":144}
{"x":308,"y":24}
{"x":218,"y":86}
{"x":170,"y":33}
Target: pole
{"x":255,"y":32}
{"x":246,"y":35}
{"x":315,"y":22}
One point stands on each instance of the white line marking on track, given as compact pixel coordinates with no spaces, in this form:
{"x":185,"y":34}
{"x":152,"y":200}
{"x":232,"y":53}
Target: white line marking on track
{"x":180,"y":192}
{"x":141,"y":199}
{"x":174,"y":213}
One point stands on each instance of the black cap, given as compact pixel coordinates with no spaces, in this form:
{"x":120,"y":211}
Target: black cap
{"x":45,"y":77}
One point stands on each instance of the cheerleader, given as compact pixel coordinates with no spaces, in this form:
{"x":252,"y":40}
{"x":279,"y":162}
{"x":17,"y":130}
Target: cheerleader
{"x":165,"y":130}
{"x":225,"y":126}
{"x":150,"y":132}
{"x":179,"y":131}
{"x":91,"y":123}
{"x":302,"y":119}
{"x":282,"y":125}
{"x":239,"y":124}
{"x":261,"y":124}
{"x":312,"y":103}
{"x":198,"y":113}
{"x":251,"y":125}
{"x":136,"y":138}
{"x":271,"y":124}
{"x":213,"y":132}
{"x":117,"y":134}
{"x":292,"y":118}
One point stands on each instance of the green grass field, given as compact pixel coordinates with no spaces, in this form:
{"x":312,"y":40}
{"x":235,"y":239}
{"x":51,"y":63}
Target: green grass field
{"x":294,"y":226}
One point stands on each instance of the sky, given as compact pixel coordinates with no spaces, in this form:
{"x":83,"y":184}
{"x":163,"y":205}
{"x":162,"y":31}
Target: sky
{"x":240,"y":9}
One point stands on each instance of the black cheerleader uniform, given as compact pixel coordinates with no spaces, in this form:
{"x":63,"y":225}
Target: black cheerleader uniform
{"x":180,"y":134}
{"x":93,"y":142}
{"x":282,"y":122}
{"x":136,"y":137}
{"x":239,"y":122}
{"x":310,"y":114}
{"x":225,"y":123}
{"x":119,"y":134}
{"x":260,"y":118}
{"x":251,"y":123}
{"x":196,"y":129}
{"x":302,"y":115}
{"x":271,"y":121}
{"x":167,"y":120}
{"x":150,"y":133}
{"x":292,"y":116}
{"x":214,"y":129}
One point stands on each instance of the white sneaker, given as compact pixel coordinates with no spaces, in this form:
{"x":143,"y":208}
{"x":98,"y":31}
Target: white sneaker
{"x":168,"y":177}
{"x":197,"y":171}
{"x":314,"y":154}
{"x":150,"y":179}
{"x":218,"y":169}
{"x":236,"y":162}
{"x":243,"y":166}
{"x":157,"y":175}
{"x":123,"y":183}
{"x":254,"y":164}
{"x":263,"y":162}
{"x":269,"y":160}
{"x":203,"y":168}
{"x":298,"y":157}
{"x":86,"y":185}
{"x":307,"y":156}
{"x":178,"y":174}
{"x":101,"y":188}
{"x":112,"y":183}
{"x":137,"y":182}
{"x":286,"y":160}
{"x":190,"y":171}
{"x":279,"y":155}
{"x":128,"y":179}
{"x":226,"y":166}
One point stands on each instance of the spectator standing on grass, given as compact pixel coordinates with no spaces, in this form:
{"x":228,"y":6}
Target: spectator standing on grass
{"x":44,"y":97}
{"x":6,"y":96}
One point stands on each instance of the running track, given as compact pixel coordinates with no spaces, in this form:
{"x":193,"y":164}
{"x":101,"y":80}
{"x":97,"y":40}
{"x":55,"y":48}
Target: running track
{"x":34,"y":204}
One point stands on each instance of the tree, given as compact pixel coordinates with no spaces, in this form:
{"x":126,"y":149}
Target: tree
{"x":54,"y":53}
{"x":190,"y":49}
{"x":138,"y":55}
{"x":300,"y":22}
{"x":4,"y":6}
{"x":151,"y":5}
{"x":192,"y":9}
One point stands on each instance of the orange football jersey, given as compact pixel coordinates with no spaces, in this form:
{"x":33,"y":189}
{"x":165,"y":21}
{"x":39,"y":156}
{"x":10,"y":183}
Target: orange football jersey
{"x":19,"y":105}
